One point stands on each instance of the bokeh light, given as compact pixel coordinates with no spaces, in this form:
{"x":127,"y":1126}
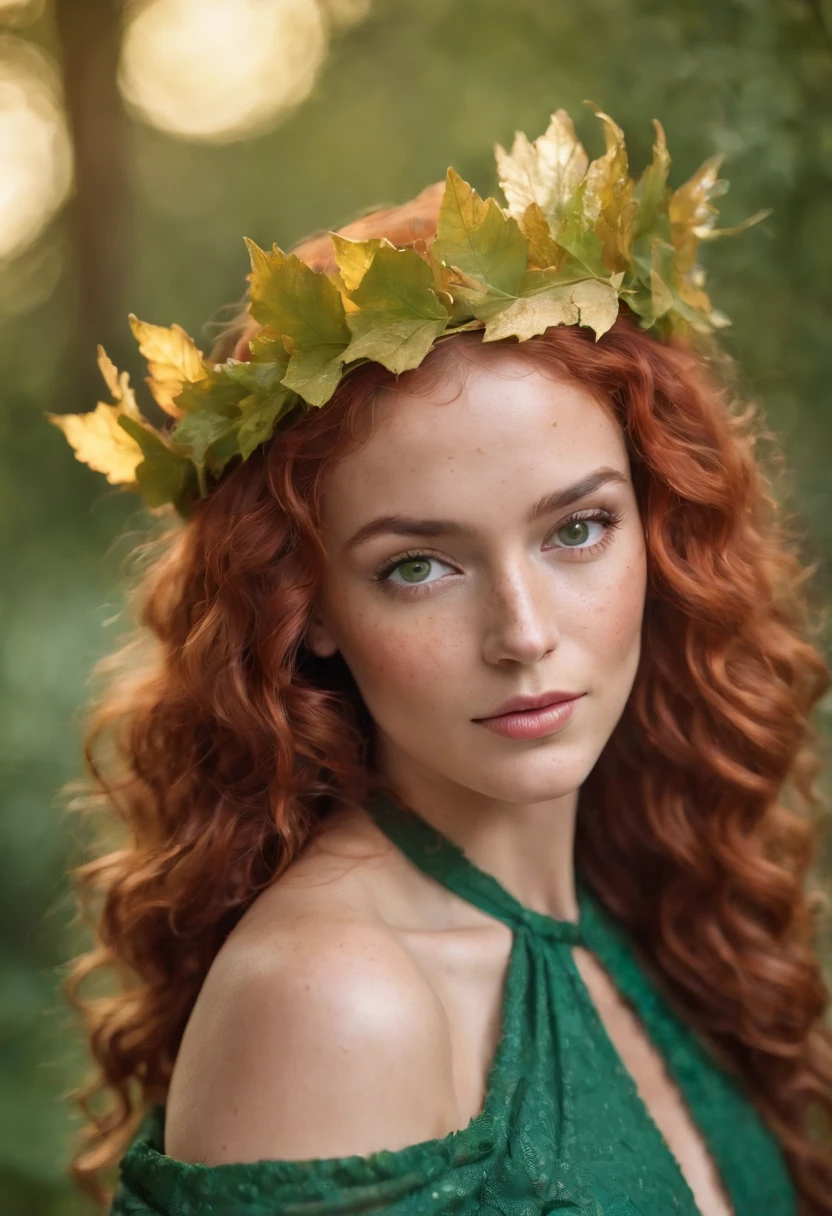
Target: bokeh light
{"x":21,"y":12}
{"x":220,"y":70}
{"x":35,"y":154}
{"x":344,"y":13}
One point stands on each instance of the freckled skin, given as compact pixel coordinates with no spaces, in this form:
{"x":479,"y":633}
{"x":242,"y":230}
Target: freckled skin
{"x":512,"y":612}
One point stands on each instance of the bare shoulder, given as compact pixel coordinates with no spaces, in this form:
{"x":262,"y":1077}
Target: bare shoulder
{"x":315,"y":1034}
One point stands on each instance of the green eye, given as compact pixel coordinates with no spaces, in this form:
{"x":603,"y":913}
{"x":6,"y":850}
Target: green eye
{"x":576,"y":532}
{"x":414,"y":571}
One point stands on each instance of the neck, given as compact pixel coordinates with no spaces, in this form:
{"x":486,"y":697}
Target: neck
{"x":527,"y":846}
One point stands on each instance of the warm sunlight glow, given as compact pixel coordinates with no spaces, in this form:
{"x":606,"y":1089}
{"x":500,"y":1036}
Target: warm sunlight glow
{"x":35,"y":156}
{"x":344,"y":13}
{"x":20,"y":12}
{"x":220,"y":70}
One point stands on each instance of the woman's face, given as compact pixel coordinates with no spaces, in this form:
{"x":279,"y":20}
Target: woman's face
{"x":451,"y":585}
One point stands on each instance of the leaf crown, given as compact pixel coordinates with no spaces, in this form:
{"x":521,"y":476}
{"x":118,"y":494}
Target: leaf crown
{"x":575,"y":238}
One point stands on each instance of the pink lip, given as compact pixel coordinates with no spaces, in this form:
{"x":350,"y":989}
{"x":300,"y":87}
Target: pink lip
{"x":518,"y":704}
{"x":534,"y":722}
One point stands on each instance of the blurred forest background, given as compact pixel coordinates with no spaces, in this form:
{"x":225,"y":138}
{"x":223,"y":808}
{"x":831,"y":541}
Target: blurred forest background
{"x":140,"y":141}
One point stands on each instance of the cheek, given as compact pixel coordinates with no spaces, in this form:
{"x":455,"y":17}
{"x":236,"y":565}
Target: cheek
{"x":401,"y":655}
{"x":612,"y":626}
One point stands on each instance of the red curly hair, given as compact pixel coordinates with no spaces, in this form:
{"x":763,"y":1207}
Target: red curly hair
{"x":220,"y":744}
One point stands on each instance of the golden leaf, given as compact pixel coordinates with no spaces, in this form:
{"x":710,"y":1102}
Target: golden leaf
{"x":712,"y":234}
{"x":597,"y":304}
{"x":608,"y":197}
{"x":527,"y":316}
{"x":354,"y":258}
{"x":544,"y":251}
{"x":118,"y":383}
{"x":546,"y":172}
{"x":99,"y":441}
{"x":608,"y":171}
{"x":691,"y":212}
{"x":590,"y":302}
{"x":173,"y":360}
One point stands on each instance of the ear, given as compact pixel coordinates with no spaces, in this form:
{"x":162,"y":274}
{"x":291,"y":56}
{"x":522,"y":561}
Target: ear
{"x":318,"y":637}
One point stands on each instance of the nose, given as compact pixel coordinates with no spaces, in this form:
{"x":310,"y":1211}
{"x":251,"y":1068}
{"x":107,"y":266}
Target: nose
{"x":520,"y":616}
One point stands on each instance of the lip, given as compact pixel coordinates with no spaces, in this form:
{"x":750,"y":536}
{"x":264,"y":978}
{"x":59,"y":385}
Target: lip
{"x":534,"y":723}
{"x":520,"y":704}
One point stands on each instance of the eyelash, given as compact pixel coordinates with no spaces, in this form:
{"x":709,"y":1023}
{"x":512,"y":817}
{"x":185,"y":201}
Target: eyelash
{"x":612,"y":519}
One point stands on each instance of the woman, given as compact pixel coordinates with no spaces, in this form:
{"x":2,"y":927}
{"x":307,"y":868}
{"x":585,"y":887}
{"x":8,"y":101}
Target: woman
{"x":457,"y":876}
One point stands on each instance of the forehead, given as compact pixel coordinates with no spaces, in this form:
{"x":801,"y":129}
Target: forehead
{"x":488,"y":431}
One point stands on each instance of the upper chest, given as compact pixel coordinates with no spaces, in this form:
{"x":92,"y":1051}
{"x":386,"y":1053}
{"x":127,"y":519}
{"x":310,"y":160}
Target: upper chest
{"x":468,"y":970}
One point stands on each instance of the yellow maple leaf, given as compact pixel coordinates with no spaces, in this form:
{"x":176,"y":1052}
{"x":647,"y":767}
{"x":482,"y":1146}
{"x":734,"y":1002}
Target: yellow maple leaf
{"x":608,"y":196}
{"x":546,"y":172}
{"x":99,"y":441}
{"x":691,"y":212}
{"x":118,"y":383}
{"x":354,"y":258}
{"x":173,"y":361}
{"x":544,"y":250}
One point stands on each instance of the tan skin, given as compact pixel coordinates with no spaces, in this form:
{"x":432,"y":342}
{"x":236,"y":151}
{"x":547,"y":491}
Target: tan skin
{"x":357,"y":1006}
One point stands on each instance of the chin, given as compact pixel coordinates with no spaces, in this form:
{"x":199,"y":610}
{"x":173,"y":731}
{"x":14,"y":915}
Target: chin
{"x":534,"y":778}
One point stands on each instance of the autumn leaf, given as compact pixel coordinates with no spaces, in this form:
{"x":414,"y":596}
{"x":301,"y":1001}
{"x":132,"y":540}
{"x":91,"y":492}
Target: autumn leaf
{"x":164,"y":476}
{"x":172,"y":360}
{"x":546,"y":300}
{"x":474,"y":235}
{"x":576,"y":234}
{"x":608,"y":197}
{"x":304,"y":306}
{"x":118,"y":383}
{"x":266,"y":400}
{"x":662,"y":275}
{"x":260,"y":417}
{"x":197,"y":431}
{"x":399,"y":314}
{"x":692,"y":213}
{"x":354,"y":258}
{"x":544,"y":251}
{"x":651,"y":192}
{"x":96,"y":437}
{"x":546,"y":172}
{"x":99,"y":442}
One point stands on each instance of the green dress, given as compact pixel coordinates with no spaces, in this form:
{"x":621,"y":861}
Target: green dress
{"x":563,"y":1128}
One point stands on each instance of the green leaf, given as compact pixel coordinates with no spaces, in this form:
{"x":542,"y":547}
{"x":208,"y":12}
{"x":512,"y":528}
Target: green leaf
{"x":305,"y":307}
{"x":216,"y":393}
{"x":576,"y":233}
{"x":266,"y":401}
{"x":651,"y":192}
{"x":260,"y":418}
{"x":399,"y":314}
{"x":197,"y":432}
{"x":266,"y":378}
{"x":315,"y":372}
{"x":164,"y":476}
{"x":475,"y":236}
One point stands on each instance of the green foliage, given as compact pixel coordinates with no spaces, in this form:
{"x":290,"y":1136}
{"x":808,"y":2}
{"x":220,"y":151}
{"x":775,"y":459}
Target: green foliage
{"x":750,"y":80}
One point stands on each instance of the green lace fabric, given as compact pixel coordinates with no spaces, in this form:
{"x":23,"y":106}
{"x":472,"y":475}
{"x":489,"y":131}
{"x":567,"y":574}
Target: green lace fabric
{"x":563,"y":1128}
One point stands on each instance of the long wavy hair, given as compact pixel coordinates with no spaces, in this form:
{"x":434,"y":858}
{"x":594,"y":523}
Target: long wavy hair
{"x":220,"y":744}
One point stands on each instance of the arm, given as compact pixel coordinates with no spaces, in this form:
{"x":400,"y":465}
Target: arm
{"x":328,"y":1041}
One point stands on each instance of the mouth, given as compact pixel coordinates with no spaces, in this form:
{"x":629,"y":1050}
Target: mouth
{"x":533,"y":717}
{"x":524,"y":704}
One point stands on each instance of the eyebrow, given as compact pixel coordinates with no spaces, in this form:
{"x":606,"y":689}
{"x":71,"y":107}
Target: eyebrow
{"x":405,"y":525}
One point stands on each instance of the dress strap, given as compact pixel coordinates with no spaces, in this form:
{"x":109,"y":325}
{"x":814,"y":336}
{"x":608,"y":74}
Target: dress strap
{"x":442,"y":859}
